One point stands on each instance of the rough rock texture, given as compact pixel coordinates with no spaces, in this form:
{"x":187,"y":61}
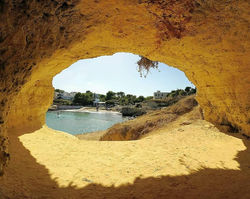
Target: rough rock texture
{"x":208,"y":40}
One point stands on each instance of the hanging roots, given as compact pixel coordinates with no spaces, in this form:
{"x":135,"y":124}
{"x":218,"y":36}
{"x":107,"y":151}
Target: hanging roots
{"x":144,"y":65}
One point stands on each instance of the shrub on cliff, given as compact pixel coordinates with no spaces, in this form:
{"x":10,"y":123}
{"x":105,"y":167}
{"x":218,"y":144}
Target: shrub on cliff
{"x":132,"y":111}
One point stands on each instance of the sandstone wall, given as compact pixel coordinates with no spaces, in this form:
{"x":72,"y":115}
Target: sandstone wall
{"x":208,"y":40}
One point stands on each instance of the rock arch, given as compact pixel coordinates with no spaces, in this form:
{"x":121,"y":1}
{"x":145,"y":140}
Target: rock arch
{"x":208,"y":40}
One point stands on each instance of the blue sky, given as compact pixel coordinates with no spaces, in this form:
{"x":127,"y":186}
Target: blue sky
{"x":118,"y":73}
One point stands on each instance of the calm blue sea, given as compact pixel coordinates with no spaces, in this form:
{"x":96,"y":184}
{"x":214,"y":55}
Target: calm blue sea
{"x":81,"y":122}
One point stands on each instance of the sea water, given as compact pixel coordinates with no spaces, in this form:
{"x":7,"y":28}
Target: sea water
{"x":81,"y":122}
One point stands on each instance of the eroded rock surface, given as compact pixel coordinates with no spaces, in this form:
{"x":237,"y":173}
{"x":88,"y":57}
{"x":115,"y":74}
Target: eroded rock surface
{"x":208,"y":40}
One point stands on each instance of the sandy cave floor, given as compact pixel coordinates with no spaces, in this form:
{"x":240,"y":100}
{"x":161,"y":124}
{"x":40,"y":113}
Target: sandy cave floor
{"x":189,"y":161}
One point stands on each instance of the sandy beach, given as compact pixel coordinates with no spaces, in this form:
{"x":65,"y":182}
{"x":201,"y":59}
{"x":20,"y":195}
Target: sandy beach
{"x":92,"y":110}
{"x":184,"y":161}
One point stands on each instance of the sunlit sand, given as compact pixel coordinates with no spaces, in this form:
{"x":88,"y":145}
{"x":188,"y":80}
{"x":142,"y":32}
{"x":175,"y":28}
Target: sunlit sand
{"x":80,"y":166}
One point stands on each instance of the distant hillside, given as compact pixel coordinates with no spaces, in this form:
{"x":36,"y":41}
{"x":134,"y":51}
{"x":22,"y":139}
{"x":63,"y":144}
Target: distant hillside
{"x":135,"y":129}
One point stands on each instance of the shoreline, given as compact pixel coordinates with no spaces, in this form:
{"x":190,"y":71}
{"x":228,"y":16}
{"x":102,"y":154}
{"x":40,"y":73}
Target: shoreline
{"x":90,"y":110}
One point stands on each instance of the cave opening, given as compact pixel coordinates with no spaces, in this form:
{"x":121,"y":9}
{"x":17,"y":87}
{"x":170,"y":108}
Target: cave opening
{"x":39,"y":39}
{"x":108,"y":85}
{"x":75,"y":167}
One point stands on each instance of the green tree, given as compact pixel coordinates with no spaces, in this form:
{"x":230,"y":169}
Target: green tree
{"x":59,"y":90}
{"x":88,"y":98}
{"x":77,"y":98}
{"x":110,"y":95}
{"x":192,"y":91}
{"x":110,"y":103}
{"x":173,"y":93}
{"x":124,"y":101}
{"x":188,"y":89}
{"x":120,"y":94}
{"x":102,"y":98}
{"x":182,"y":92}
{"x":140,"y":99}
{"x":131,"y":98}
{"x":83,"y":98}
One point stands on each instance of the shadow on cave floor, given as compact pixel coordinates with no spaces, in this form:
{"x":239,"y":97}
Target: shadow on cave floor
{"x":25,"y":178}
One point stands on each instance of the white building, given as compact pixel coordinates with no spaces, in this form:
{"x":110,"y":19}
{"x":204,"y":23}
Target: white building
{"x":160,"y":95}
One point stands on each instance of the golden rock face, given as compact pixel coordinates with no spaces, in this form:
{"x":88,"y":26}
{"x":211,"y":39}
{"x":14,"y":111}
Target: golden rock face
{"x":209,"y":41}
